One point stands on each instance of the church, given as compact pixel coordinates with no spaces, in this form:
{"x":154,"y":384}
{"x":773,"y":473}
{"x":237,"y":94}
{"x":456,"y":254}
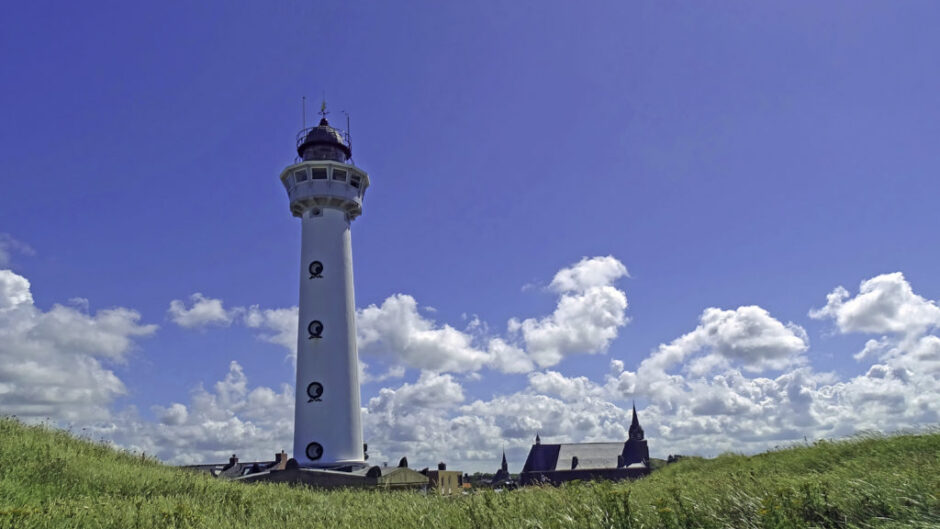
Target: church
{"x":557,"y":463}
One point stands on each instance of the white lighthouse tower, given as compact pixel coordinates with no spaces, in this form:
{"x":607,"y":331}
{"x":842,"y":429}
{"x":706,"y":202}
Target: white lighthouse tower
{"x":326,"y":192}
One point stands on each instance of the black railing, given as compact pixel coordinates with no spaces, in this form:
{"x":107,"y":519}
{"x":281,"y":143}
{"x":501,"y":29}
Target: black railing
{"x":302,"y":135}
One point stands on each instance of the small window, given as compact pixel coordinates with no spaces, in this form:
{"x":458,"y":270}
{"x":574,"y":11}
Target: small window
{"x":339,"y":175}
{"x":300,"y":176}
{"x":354,"y":181}
{"x":319,"y":173}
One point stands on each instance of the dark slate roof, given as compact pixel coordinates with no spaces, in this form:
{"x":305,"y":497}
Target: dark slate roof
{"x":590,"y":455}
{"x":541,"y":457}
{"x":547,"y":457}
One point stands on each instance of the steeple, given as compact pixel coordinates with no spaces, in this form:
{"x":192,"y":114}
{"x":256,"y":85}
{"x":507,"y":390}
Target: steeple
{"x":505,"y":465}
{"x":538,"y":440}
{"x":636,"y":431}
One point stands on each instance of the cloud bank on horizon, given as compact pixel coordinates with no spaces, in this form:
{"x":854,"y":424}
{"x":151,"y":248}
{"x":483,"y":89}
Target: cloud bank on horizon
{"x":741,"y":380}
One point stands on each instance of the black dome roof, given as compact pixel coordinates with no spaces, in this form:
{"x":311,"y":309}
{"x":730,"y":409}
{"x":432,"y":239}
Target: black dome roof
{"x":322,"y":134}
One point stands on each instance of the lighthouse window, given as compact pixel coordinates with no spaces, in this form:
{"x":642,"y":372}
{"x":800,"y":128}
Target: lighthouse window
{"x":300,"y":176}
{"x":354,"y":181}
{"x":339,"y":175}
{"x":319,"y":173}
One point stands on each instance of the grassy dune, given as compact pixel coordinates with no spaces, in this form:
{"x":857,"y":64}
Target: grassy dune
{"x":49,"y":479}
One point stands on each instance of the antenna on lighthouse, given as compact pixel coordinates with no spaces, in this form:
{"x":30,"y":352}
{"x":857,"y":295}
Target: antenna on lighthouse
{"x":303,"y":104}
{"x":348,"y":136}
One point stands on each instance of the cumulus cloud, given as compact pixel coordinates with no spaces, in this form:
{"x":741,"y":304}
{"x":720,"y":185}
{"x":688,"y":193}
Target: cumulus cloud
{"x":582,"y":322}
{"x":396,"y":328}
{"x":508,"y":358}
{"x":175,"y":415}
{"x":203,"y":312}
{"x":231,"y":417}
{"x":413,"y":419}
{"x":884,"y":304}
{"x":54,"y":363}
{"x":366,"y":377}
{"x":279,"y":326}
{"x":747,"y":337}
{"x":14,"y":291}
{"x":587,"y":317}
{"x":588,"y":273}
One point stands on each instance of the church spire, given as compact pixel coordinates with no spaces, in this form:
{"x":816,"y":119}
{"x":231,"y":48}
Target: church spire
{"x":538,"y":440}
{"x":505,"y":465}
{"x":636,"y":431}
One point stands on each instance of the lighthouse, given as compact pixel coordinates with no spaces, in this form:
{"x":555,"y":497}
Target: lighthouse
{"x":326,"y":191}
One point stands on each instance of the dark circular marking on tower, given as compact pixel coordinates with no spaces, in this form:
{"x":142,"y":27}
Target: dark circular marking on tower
{"x":315,"y":269}
{"x":314,"y":391}
{"x":314,"y":451}
{"x":315,"y":329}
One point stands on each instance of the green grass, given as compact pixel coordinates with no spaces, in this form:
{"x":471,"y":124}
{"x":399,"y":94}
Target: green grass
{"x":50,"y":479}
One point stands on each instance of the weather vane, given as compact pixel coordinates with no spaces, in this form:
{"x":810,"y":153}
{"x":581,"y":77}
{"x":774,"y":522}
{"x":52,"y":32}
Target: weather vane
{"x":323,"y":112}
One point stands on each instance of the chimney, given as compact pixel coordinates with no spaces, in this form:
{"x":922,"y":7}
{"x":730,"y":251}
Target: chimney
{"x":280,"y":461}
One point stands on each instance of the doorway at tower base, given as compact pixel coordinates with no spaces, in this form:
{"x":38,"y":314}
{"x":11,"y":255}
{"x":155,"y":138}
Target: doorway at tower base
{"x":396,"y":478}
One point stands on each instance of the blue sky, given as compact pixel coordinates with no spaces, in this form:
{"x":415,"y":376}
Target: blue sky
{"x":727,"y":154}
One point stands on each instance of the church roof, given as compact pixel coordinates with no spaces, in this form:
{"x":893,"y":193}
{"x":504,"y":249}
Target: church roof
{"x":590,"y":455}
{"x":549,"y":457}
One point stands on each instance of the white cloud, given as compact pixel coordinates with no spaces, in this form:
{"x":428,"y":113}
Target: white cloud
{"x":52,"y":364}
{"x":587,"y":318}
{"x":203,"y":312}
{"x":175,"y":415}
{"x":277,"y":326}
{"x":751,"y":336}
{"x":584,"y":322}
{"x":568,"y":388}
{"x":14,"y":291}
{"x":396,"y":331}
{"x":884,"y":304}
{"x":411,"y":419}
{"x":746,"y":338}
{"x":588,"y":273}
{"x":366,"y":377}
{"x":280,"y":325}
{"x":9,"y":246}
{"x":232,"y":418}
{"x":508,"y":358}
